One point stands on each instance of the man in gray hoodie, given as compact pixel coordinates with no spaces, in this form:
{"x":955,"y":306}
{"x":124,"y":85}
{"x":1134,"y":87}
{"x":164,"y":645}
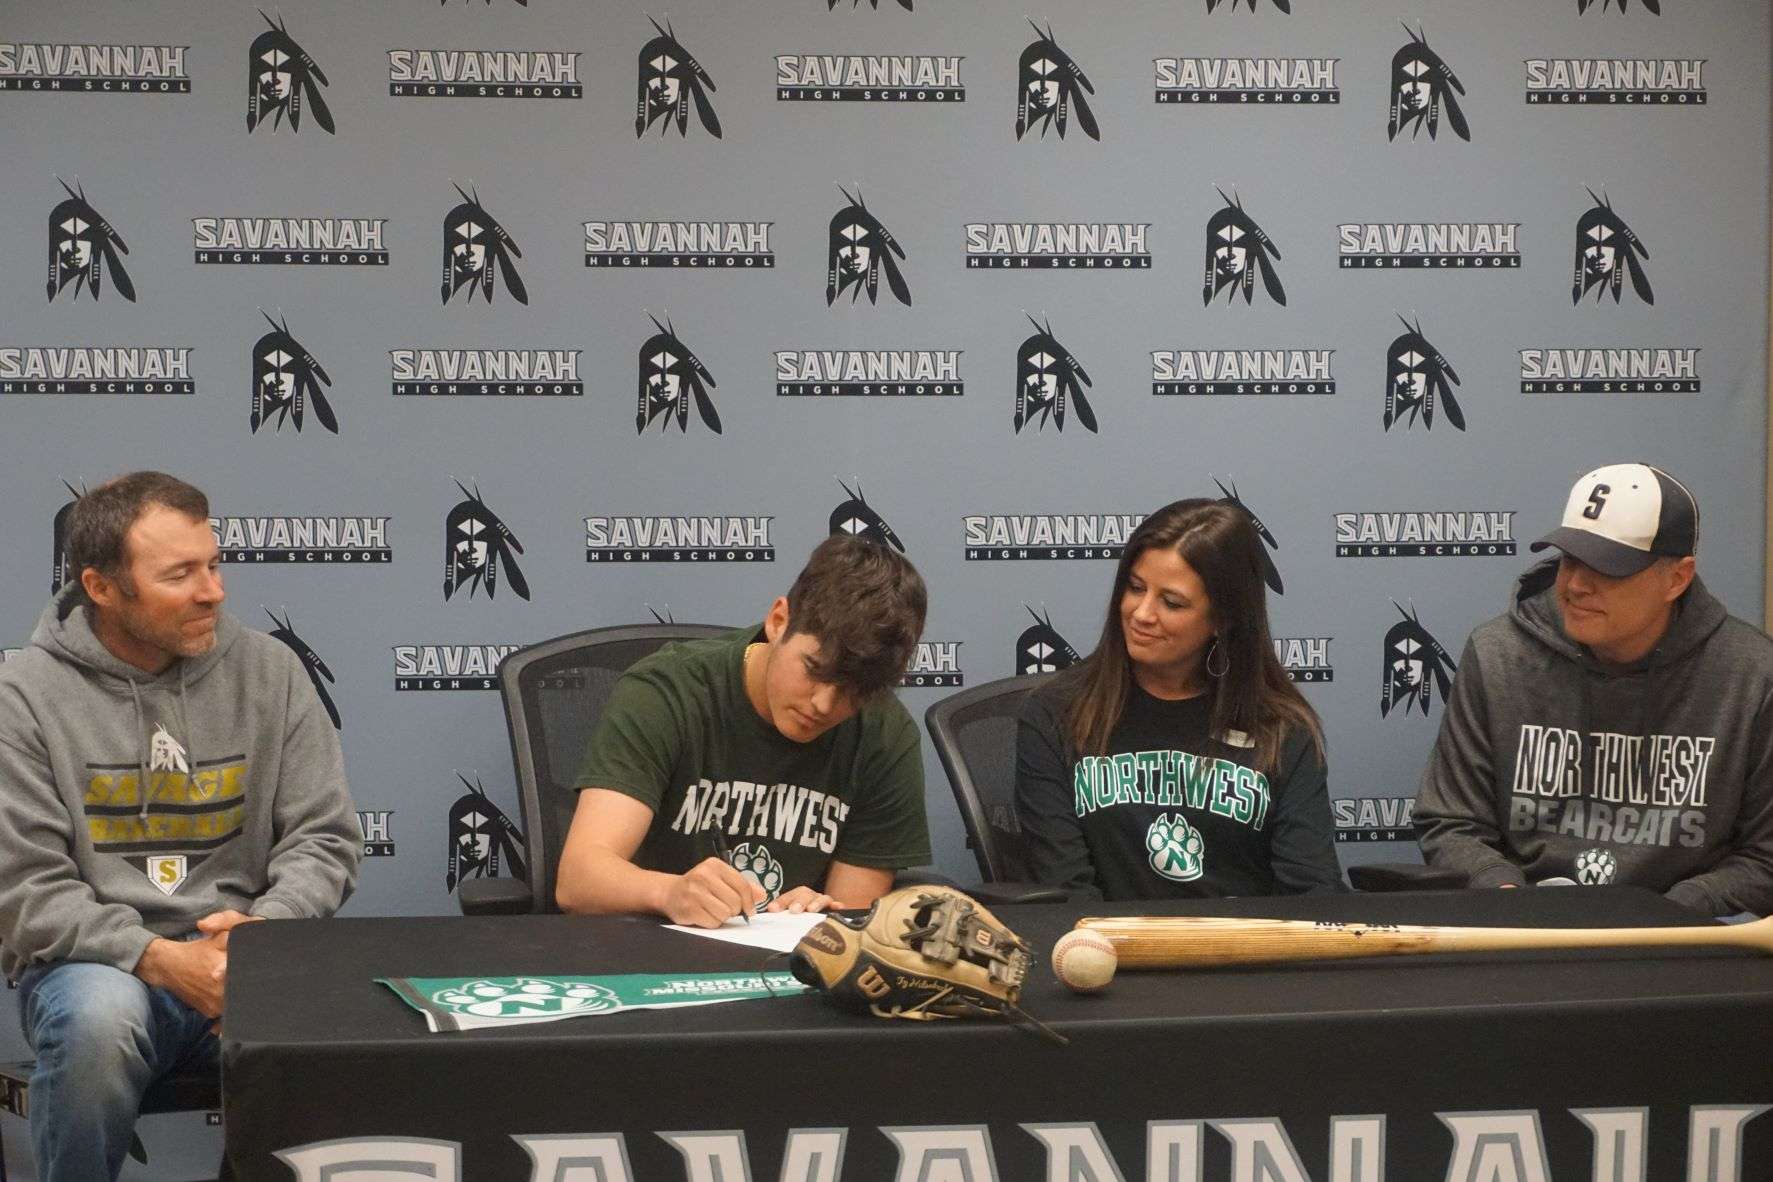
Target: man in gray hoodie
{"x":1616,"y":725}
{"x":165,"y":775}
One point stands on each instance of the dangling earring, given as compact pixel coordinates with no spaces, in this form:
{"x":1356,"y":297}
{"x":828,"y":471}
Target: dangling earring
{"x":1224,"y":665}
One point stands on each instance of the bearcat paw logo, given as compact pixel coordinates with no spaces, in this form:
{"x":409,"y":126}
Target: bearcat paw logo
{"x":524,"y":997}
{"x":1176,"y":848}
{"x":1596,"y":867}
{"x":756,"y":863}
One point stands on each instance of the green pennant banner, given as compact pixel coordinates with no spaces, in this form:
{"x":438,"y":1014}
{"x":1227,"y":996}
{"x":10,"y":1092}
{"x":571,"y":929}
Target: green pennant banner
{"x":471,"y":1003}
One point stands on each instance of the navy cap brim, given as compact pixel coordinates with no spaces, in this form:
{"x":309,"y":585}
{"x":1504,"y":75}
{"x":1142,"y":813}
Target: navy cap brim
{"x":1613,"y":559}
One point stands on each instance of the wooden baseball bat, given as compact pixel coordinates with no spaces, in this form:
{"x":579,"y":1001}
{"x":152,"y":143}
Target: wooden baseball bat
{"x":1168,"y":942}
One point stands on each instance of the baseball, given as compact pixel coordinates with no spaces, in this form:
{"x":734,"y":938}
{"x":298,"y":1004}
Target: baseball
{"x":1084,"y":961}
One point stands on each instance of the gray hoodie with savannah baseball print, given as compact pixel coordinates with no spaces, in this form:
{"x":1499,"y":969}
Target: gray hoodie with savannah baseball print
{"x":245,"y":804}
{"x":1658,"y":774}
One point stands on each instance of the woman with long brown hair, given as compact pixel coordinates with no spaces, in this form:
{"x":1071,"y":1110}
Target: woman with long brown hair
{"x":1178,"y":759}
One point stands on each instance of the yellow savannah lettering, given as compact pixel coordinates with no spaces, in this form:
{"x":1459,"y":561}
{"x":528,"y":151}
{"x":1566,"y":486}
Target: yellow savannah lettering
{"x":166,"y":827}
{"x":206,"y":786}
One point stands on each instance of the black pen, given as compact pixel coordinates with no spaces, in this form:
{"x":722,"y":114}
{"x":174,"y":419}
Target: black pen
{"x":726,"y":855}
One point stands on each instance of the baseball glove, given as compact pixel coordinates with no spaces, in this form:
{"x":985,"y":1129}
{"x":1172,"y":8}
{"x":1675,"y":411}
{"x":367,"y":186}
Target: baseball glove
{"x":922,"y":952}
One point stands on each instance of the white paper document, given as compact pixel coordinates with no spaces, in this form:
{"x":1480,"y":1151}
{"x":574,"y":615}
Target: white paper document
{"x":779,"y":931}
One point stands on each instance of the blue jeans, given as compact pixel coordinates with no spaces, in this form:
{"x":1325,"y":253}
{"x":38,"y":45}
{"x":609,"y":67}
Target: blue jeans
{"x":101,"y":1037}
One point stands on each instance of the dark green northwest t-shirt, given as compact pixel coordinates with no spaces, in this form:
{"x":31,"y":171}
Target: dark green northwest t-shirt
{"x":680,"y":735}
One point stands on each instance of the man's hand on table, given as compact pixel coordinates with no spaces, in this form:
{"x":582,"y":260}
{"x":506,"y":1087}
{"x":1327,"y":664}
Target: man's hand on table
{"x":708,"y":894}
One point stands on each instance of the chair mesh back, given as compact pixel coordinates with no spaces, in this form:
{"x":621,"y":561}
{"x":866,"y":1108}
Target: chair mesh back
{"x":554,"y":695}
{"x":975,"y":736}
{"x":988,"y":745}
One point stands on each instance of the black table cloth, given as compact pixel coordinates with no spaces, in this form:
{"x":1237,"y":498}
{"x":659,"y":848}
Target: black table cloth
{"x":1464,"y":1060}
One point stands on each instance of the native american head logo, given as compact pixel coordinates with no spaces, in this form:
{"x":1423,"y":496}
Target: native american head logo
{"x":80,"y":241}
{"x":165,"y":753}
{"x":473,"y":243}
{"x":1048,"y":378}
{"x":1237,"y":249}
{"x":1416,"y":377}
{"x":281,"y":77}
{"x":1050,"y":87}
{"x":830,"y":4}
{"x":287,"y":381}
{"x":1582,"y":6}
{"x":1040,"y":648}
{"x":1606,"y":249}
{"x":62,"y":570}
{"x":858,"y":518}
{"x":1284,"y":5}
{"x":1421,"y":84}
{"x":479,"y":835}
{"x":860,"y":247}
{"x":475,"y":544}
{"x":670,"y":377}
{"x":1270,"y":573}
{"x":310,"y":661}
{"x":1415,"y":665}
{"x":670,"y":79}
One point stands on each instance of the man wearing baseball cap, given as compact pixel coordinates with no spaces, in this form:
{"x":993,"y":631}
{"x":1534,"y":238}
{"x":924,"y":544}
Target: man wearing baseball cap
{"x":1616,"y":724}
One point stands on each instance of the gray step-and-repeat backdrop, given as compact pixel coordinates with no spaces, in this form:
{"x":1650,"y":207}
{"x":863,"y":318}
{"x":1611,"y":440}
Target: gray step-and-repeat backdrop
{"x":669,"y":292}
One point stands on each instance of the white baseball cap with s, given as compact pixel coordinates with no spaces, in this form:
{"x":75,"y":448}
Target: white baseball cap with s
{"x":1621,"y":518}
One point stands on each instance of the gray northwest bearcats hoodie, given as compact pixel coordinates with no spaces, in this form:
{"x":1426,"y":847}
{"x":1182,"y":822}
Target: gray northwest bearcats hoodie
{"x":246,"y":805}
{"x":1658,"y":774}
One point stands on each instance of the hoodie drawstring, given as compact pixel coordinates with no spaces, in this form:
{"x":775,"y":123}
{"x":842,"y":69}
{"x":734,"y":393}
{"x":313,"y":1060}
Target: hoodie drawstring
{"x":185,"y":722}
{"x":141,"y":750}
{"x":141,"y":726}
{"x":1638,"y":786}
{"x":1584,"y":698}
{"x":1646,"y":710}
{"x":143,"y":754}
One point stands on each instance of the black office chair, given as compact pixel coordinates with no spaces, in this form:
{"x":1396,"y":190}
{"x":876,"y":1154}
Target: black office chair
{"x":183,"y":1091}
{"x":975,"y":736}
{"x":554,"y":693}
